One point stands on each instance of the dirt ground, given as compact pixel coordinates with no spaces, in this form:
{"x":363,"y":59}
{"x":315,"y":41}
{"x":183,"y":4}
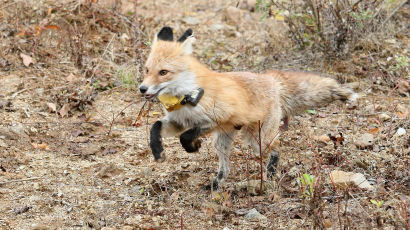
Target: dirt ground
{"x":74,"y":129}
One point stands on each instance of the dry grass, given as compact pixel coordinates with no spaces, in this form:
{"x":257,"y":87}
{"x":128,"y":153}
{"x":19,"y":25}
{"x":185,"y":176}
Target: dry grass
{"x":73,"y":136}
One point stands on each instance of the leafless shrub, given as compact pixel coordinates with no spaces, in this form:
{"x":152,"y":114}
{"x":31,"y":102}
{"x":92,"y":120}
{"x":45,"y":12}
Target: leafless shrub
{"x":331,"y":27}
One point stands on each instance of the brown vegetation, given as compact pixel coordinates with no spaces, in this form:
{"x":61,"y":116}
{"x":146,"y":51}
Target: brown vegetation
{"x":74,"y":131}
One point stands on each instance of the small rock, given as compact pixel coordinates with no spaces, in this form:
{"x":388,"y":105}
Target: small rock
{"x":134,"y":220}
{"x":365,"y":141}
{"x":215,"y":27}
{"x":294,"y":171}
{"x":234,"y":14}
{"x":391,"y":41}
{"x":254,"y":215}
{"x":404,"y":88}
{"x":345,"y":179}
{"x":384,"y":117}
{"x":4,"y":104}
{"x":39,"y":227}
{"x":241,"y":212}
{"x":147,"y":172}
{"x":3,"y":144}
{"x":322,"y":138}
{"x":248,"y":4}
{"x":109,"y":170}
{"x":18,"y":129}
{"x":400,"y":132}
{"x":21,"y":209}
{"x":253,"y":186}
{"x":402,"y":109}
{"x":36,"y":186}
{"x":108,"y":228}
{"x":191,"y":20}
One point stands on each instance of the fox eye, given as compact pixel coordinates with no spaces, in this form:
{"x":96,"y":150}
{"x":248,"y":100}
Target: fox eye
{"x":146,"y":70}
{"x":163,"y":72}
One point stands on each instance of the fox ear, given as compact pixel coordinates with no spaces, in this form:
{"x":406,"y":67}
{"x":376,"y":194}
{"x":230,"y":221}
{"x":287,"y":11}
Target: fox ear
{"x":165,"y":34}
{"x":184,"y":36}
{"x":186,"y":46}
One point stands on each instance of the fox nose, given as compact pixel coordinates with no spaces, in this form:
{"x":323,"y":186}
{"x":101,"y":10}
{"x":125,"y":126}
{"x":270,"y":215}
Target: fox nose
{"x":143,"y":89}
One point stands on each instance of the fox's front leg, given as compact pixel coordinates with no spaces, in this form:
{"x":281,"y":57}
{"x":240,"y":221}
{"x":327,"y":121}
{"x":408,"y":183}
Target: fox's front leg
{"x":189,"y":139}
{"x":159,"y":129}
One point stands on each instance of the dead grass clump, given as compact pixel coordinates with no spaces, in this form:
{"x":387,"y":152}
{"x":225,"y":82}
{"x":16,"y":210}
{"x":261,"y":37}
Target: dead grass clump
{"x":359,"y":32}
{"x":73,"y":49}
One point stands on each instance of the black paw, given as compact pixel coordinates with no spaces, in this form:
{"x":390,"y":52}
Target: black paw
{"x":156,"y":149}
{"x":212,"y":186}
{"x":272,"y":165}
{"x":189,"y":140}
{"x":193,"y":146}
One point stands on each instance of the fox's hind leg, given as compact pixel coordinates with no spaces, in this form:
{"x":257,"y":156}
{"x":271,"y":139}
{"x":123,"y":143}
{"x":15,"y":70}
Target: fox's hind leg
{"x":272,"y":164}
{"x":223,"y":144}
{"x":270,"y":131}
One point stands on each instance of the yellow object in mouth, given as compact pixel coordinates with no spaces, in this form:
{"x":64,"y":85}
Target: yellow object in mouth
{"x":171,"y":102}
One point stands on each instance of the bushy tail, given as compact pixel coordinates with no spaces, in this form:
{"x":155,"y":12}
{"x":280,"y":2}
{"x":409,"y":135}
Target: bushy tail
{"x":303,"y":91}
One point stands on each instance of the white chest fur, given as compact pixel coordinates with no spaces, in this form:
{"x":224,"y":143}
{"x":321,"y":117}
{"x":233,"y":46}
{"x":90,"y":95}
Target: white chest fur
{"x":190,"y":116}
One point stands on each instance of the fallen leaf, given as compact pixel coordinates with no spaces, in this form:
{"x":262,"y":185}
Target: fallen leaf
{"x":52,"y":107}
{"x":374,"y":130}
{"x":311,"y":111}
{"x":322,"y":138}
{"x":279,"y":17}
{"x":337,"y":141}
{"x":51,"y":27}
{"x":71,"y":77}
{"x":27,"y":60}
{"x":42,"y":146}
{"x":77,"y":133}
{"x":64,"y":110}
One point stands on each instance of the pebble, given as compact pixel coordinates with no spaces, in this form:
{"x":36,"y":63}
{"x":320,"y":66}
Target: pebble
{"x":254,"y":215}
{"x":400,"y":132}
{"x":366,"y":140}
{"x":384,"y":117}
{"x":191,"y":20}
{"x":345,"y":179}
{"x":215,"y":27}
{"x":134,"y":220}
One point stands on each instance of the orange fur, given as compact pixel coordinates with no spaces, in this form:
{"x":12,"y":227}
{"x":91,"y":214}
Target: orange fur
{"x":233,"y":99}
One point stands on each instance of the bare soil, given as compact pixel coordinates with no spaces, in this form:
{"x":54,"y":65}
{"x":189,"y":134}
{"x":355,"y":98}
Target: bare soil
{"x":74,"y":130}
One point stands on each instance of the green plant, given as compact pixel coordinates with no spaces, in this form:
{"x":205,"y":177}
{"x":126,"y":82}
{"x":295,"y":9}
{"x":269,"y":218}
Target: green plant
{"x":361,"y":16}
{"x":311,"y":111}
{"x":401,"y":62}
{"x":264,"y":7}
{"x":377,"y":203}
{"x":127,"y":76}
{"x":96,"y":85}
{"x":222,"y":198}
{"x":307,"y":183}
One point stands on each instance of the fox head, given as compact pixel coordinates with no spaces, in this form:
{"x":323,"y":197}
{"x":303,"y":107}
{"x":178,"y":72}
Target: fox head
{"x":167,"y":67}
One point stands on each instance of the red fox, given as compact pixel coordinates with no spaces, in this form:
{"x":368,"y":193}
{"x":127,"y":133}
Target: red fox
{"x":199,"y":101}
